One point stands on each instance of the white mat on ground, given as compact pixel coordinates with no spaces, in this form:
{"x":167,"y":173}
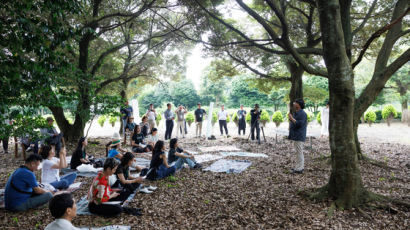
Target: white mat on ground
{"x":218,"y":148}
{"x":207,"y":157}
{"x":111,"y":227}
{"x":228,"y":166}
{"x":243,"y":154}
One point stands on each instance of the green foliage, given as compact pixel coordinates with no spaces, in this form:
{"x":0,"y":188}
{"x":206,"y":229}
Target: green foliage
{"x":228,"y":118}
{"x":235,"y":117}
{"x":243,"y":93}
{"x":248,"y":118}
{"x":159,"y":117}
{"x":190,"y":118}
{"x":310,"y":116}
{"x":370,"y":116}
{"x":277,"y":117}
{"x":214,"y":117}
{"x":101,"y":120}
{"x":389,"y":111}
{"x":319,"y":117}
{"x":265,"y":117}
{"x":379,"y":116}
{"x":112,"y":119}
{"x":314,"y":96}
{"x":184,"y":93}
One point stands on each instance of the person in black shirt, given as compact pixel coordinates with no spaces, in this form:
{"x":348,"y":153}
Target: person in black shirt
{"x":159,"y":162}
{"x":199,"y":117}
{"x":79,"y":156}
{"x":180,"y":156}
{"x":138,"y":144}
{"x":255,"y":117}
{"x":241,"y":120}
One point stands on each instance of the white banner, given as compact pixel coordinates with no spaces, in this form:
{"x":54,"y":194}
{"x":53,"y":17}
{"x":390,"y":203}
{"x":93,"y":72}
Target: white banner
{"x":209,"y":124}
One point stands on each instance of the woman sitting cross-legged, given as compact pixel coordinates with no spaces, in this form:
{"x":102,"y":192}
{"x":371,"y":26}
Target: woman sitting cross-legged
{"x":50,"y":172}
{"x":152,"y":138}
{"x":115,"y":147}
{"x":100,"y":193}
{"x":159,"y":162}
{"x":180,"y":156}
{"x":79,"y":156}
{"x":127,"y":181}
{"x":130,"y":124}
{"x":138,"y":141}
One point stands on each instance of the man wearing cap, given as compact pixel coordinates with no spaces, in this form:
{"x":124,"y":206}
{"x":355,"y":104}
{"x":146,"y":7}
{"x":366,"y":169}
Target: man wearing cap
{"x":199,"y":117}
{"x":52,"y":136}
{"x":169,"y":121}
{"x":297,"y":133}
{"x":241,"y":120}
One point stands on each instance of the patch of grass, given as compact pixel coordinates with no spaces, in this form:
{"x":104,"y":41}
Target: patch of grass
{"x":172,"y":185}
{"x":172,"y":179}
{"x":382,"y":179}
{"x":207,"y":201}
{"x":15,"y":219}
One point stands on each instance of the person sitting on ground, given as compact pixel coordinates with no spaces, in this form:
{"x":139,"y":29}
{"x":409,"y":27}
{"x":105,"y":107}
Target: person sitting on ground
{"x":22,"y":190}
{"x":53,"y":137}
{"x":130,"y":125}
{"x":64,"y":209}
{"x":79,"y":156}
{"x":100,"y":193}
{"x":138,"y":143}
{"x":145,"y":128}
{"x":127,"y":181}
{"x":116,"y":147}
{"x":180,"y":156}
{"x":159,"y":162}
{"x":51,"y":165}
{"x":152,"y":138}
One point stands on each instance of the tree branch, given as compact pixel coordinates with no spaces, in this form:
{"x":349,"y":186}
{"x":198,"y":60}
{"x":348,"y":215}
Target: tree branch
{"x":366,"y":18}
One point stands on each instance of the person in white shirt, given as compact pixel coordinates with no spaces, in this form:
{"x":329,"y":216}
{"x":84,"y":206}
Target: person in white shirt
{"x":50,"y":173}
{"x":222,"y":115}
{"x":63,"y":208}
{"x":151,"y":114}
{"x":180,"y":112}
{"x":325,"y":121}
{"x":152,"y":138}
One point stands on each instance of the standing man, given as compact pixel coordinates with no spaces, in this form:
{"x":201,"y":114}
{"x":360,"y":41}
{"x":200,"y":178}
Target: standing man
{"x":126,"y":112}
{"x":222,"y":116}
{"x":255,"y":118}
{"x":199,"y":117}
{"x":22,"y":190}
{"x":180,"y":112}
{"x":152,"y":115}
{"x":52,"y":136}
{"x":169,"y":121}
{"x":241,"y":120}
{"x":297,"y":133}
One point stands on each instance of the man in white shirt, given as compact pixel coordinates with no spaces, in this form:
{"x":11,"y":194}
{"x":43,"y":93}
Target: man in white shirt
{"x":64,"y":209}
{"x":222,"y":116}
{"x":151,"y":115}
{"x":180,"y":112}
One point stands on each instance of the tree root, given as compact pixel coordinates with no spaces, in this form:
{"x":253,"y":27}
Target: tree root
{"x":377,"y":163}
{"x":367,"y":216}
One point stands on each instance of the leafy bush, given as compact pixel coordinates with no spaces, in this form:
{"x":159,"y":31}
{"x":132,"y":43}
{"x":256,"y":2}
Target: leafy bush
{"x":190,"y":118}
{"x":228,"y":118}
{"x":112,"y":120}
{"x":235,"y":117}
{"x":265,"y":117}
{"x":214,"y":117}
{"x":389,"y":112}
{"x":101,"y":120}
{"x":310,"y":116}
{"x":248,"y":118}
{"x":399,"y":114}
{"x":277,"y":118}
{"x":158,"y":118}
{"x":319,"y":118}
{"x":370,"y":116}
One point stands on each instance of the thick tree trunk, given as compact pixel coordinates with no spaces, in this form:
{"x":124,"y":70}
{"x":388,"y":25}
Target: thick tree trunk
{"x":404,"y":105}
{"x":72,"y":132}
{"x":345,"y":183}
{"x":296,"y":74}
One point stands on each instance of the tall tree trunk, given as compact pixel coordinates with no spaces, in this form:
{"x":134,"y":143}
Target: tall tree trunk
{"x":345,"y":183}
{"x":404,"y":101}
{"x":296,"y":74}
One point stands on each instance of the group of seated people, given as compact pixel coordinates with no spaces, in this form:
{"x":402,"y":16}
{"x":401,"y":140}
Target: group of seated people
{"x":23,"y":192}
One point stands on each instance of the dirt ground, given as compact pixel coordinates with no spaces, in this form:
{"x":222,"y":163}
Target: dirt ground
{"x":265,"y":196}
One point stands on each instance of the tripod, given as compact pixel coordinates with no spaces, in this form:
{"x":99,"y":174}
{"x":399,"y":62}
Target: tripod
{"x":257,"y":136}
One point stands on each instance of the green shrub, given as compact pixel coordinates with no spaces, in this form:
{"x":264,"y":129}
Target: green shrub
{"x":112,"y":120}
{"x":277,"y":118}
{"x":190,"y":118}
{"x":214,"y":117}
{"x":101,"y":120}
{"x":370,"y":117}
{"x":235,"y":117}
{"x":265,"y":117}
{"x":319,"y":118}
{"x":389,"y":111}
{"x":399,"y":115}
{"x":158,"y":118}
{"x":248,"y":118}
{"x":228,"y":118}
{"x":310,"y":116}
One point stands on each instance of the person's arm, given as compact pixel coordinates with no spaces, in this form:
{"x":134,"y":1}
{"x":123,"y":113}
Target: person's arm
{"x":134,"y":143}
{"x":124,"y":181}
{"x":62,"y":163}
{"x":38,"y":190}
{"x":164,"y":160}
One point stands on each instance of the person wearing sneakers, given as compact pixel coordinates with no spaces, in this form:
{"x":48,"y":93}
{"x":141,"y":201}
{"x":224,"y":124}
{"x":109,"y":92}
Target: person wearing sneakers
{"x":180,"y":156}
{"x":199,"y":117}
{"x":151,"y":115}
{"x":297,"y":133}
{"x":126,"y":180}
{"x":222,"y":116}
{"x":115,"y":147}
{"x":180,"y":112}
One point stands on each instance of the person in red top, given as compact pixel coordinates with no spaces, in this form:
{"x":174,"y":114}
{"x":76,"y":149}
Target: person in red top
{"x":100,"y":193}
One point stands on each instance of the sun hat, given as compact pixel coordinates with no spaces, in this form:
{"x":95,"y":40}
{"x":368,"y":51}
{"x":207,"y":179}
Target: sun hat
{"x":116,"y":139}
